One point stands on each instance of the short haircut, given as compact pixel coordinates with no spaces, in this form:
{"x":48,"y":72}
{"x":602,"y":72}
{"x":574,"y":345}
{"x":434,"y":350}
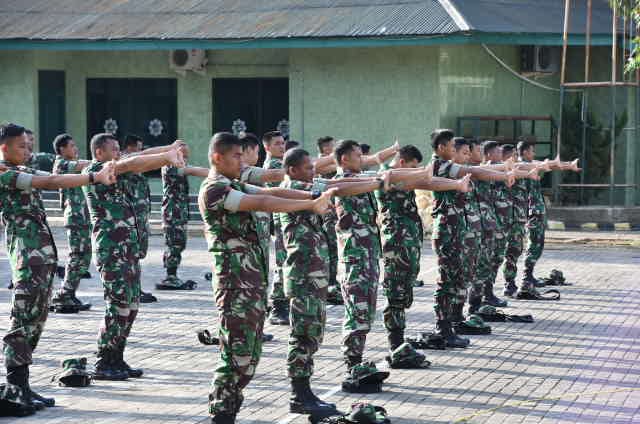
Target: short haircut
{"x":60,"y":142}
{"x":409,"y":153}
{"x":98,"y":141}
{"x":294,"y":157}
{"x":489,"y":146}
{"x":473,"y":142}
{"x":440,"y":137}
{"x":223,"y":142}
{"x":507,"y":150}
{"x":270,"y":135}
{"x":290,"y":144}
{"x":523,"y":146}
{"x":460,"y":142}
{"x":131,"y":140}
{"x":365,"y":149}
{"x":10,"y":130}
{"x":248,"y":140}
{"x":28,"y":131}
{"x":324,"y":140}
{"x":344,"y":147}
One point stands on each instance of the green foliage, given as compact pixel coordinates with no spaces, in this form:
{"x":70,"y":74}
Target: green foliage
{"x":630,"y":9}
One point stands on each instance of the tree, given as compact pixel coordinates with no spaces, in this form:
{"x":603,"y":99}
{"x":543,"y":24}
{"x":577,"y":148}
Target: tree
{"x":631,"y":10}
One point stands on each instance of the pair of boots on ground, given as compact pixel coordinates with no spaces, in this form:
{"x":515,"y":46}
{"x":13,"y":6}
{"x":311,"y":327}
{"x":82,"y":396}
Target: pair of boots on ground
{"x":528,"y":290}
{"x":112,"y":366}
{"x":17,"y":399}
{"x":172,"y":282}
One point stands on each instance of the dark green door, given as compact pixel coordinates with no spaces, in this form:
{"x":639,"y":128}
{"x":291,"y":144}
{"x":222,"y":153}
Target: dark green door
{"x":146,"y":107}
{"x":254,"y":105}
{"x":51,"y":108}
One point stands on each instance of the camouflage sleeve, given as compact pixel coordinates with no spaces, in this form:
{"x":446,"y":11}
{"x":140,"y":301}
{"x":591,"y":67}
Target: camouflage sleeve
{"x":232,"y":200}
{"x":252,"y":175}
{"x":250,"y":189}
{"x":446,"y":169}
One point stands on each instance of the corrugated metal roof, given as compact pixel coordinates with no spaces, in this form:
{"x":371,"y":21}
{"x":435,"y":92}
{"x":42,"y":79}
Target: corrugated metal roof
{"x":276,"y":19}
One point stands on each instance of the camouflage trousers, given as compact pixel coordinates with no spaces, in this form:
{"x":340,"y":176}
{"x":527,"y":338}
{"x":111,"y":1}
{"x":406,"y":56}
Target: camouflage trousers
{"x":175,"y":240}
{"x":536,"y":226}
{"x":451,"y":286}
{"x":277,"y":292}
{"x":241,"y":315}
{"x":143,"y":234}
{"x":79,"y":257}
{"x":121,"y":281}
{"x":515,"y":245}
{"x":484,"y":266}
{"x":401,"y":268}
{"x":29,"y":310}
{"x":329,"y":225}
{"x":499,"y":251}
{"x":471,"y":245}
{"x":359,"y":291}
{"x":307,"y":299}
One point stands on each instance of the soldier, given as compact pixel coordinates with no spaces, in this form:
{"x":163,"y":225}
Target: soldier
{"x":42,"y":161}
{"x":306,"y":272}
{"x":449,"y":226}
{"x":359,"y":249}
{"x":140,"y":197}
{"x":116,"y":243}
{"x":175,"y":217}
{"x":76,"y":217}
{"x":240,"y":273}
{"x":402,"y":236}
{"x":33,"y":258}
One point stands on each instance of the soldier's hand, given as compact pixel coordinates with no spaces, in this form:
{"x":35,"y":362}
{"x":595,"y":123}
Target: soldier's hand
{"x":427,"y":174}
{"x":177,"y":144}
{"x":323,"y":203}
{"x":574,"y":166}
{"x":534,"y":174}
{"x":464,"y":184}
{"x":175,"y":158}
{"x":396,"y":144}
{"x":386,"y":179}
{"x":107,"y":175}
{"x":511,"y":178}
{"x":509,"y":164}
{"x":184,"y":149}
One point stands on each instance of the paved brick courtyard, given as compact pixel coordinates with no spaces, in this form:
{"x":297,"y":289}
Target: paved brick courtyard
{"x":579,"y":362}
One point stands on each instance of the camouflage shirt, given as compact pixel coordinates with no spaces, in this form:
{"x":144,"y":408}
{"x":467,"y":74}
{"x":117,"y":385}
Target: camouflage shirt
{"x":304,"y":239}
{"x":535,"y":198}
{"x":502,"y":204}
{"x":175,"y":196}
{"x":472,"y":213}
{"x":485,"y":196}
{"x":29,"y":239}
{"x":272,"y":163}
{"x":113,"y":215}
{"x":41,"y":161}
{"x":356,"y":228}
{"x":232,"y":237}
{"x":400,"y":223}
{"x":446,"y":204}
{"x":72,"y":200}
{"x":519,"y":199}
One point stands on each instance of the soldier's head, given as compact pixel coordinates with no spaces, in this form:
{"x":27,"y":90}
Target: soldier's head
{"x":291,"y":144}
{"x":463,"y":151}
{"x":105,"y":147}
{"x":365,"y":149}
{"x":132,"y":144}
{"x":508,"y":152}
{"x":13,"y":144}
{"x":408,"y":156}
{"x":250,"y":148}
{"x":274,"y":143}
{"x":442,"y":144}
{"x":225,"y":154}
{"x":297,"y":164}
{"x":65,"y":146}
{"x":491,"y":151}
{"x":348,"y":155}
{"x":326,"y":145}
{"x":527,"y":150}
{"x":476,"y":151}
{"x":31,"y":141}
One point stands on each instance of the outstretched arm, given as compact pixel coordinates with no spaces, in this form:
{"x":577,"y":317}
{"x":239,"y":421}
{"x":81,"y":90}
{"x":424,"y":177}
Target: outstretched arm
{"x":267,"y":203}
{"x":381,"y":156}
{"x":144,"y":163}
{"x":196,"y":171}
{"x":52,"y":182}
{"x":444,"y":184}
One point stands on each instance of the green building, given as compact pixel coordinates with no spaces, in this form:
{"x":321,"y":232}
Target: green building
{"x":370,"y":70}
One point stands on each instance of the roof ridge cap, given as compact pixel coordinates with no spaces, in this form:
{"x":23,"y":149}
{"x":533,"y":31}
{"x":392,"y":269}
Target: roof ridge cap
{"x":455,"y":14}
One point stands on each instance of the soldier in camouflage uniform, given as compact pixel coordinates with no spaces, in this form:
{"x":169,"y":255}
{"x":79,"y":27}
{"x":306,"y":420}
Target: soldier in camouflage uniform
{"x":449,"y":227}
{"x":41,"y":161}
{"x":240,"y":271}
{"x":175,"y":217}
{"x":402,"y":235}
{"x":117,"y":249}
{"x":77,"y":224}
{"x":274,"y":144}
{"x":32,"y":256}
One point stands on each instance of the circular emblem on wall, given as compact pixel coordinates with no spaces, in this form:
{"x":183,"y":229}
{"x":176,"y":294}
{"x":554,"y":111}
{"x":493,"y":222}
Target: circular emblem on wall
{"x":155,"y":127}
{"x":238,"y":126}
{"x":111,"y":126}
{"x":283,"y":127}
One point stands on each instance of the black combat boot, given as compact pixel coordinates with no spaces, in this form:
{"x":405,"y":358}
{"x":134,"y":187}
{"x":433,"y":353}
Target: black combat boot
{"x":396,"y":338}
{"x":223,"y":418}
{"x":510,"y":288}
{"x":120,"y":363}
{"x":106,"y":369}
{"x":491,"y":299}
{"x":15,"y":400}
{"x":19,"y":376}
{"x":48,"y":402}
{"x":81,"y":305}
{"x":474,"y":304}
{"x":303,"y":401}
{"x":279,"y":314}
{"x":457,"y":314}
{"x":451,"y":338}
